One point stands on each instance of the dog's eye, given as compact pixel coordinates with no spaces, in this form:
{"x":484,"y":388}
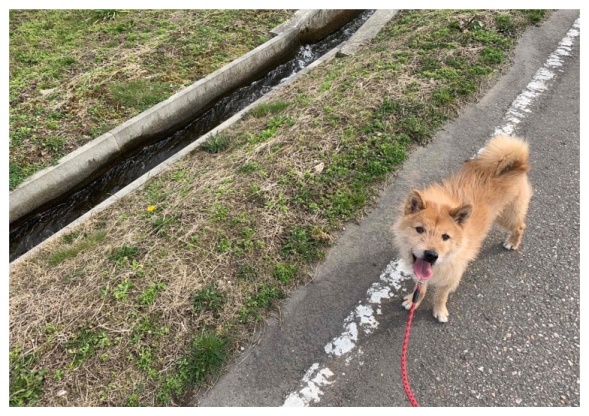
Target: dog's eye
{"x":445,"y":237}
{"x":420,"y":230}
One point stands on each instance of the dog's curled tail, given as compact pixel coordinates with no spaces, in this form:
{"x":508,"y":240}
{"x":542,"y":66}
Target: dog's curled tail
{"x":504,"y":155}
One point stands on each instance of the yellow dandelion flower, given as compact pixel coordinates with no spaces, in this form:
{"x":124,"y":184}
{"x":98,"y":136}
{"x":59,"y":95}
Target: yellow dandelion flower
{"x":150,"y":208}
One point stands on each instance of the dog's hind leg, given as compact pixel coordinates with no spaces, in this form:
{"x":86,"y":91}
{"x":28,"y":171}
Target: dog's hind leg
{"x":513,"y":217}
{"x":408,"y":299}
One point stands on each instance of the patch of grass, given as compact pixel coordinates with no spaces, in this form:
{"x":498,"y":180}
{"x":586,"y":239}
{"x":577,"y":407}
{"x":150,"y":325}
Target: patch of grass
{"x":216,"y":143}
{"x":121,"y":291}
{"x":206,"y":356}
{"x":145,"y":358}
{"x":285,"y":272}
{"x":261,"y":300}
{"x":139,"y":94}
{"x":63,"y":254}
{"x":161,"y":224}
{"x":271,"y":129}
{"x":18,"y":172}
{"x":124,"y":254}
{"x":148,"y":296}
{"x":442,"y":96}
{"x":133,"y":401}
{"x":219,"y":213}
{"x":71,"y":237}
{"x":224,"y":246}
{"x":265,"y":109}
{"x":300,"y":242}
{"x":249,"y":168}
{"x":491,"y":56}
{"x":266,"y":296}
{"x":480,"y":70}
{"x":147,"y":327}
{"x":54,"y":143}
{"x":504,"y":24}
{"x":155,"y":192}
{"x":26,"y":382}
{"x":59,"y":374}
{"x":86,"y":343}
{"x":209,"y":299}
{"x":535,"y":16}
{"x":106,"y":14}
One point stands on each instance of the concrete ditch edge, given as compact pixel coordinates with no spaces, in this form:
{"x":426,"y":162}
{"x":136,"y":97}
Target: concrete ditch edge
{"x":367,"y":32}
{"x":142,"y":180}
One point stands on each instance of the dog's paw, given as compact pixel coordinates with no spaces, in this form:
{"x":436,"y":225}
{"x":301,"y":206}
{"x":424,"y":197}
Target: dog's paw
{"x":408,"y":301}
{"x":441,"y":314}
{"x":509,"y":245}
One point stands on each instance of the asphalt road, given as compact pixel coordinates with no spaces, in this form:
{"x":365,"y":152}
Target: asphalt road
{"x":513,"y":338}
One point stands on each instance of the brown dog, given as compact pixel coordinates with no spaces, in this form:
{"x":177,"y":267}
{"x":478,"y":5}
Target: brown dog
{"x":442,"y":227}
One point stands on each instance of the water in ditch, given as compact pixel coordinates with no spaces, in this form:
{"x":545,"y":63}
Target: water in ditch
{"x":34,"y":228}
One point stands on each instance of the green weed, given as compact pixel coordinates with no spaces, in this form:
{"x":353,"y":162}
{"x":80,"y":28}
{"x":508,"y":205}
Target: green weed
{"x":121,"y":291}
{"x":491,"y":55}
{"x":86,"y":343}
{"x":26,"y":382}
{"x":145,"y":358}
{"x":133,"y":401}
{"x":267,"y":295}
{"x":209,"y":299}
{"x":300,"y":243}
{"x":285,"y":272}
{"x":205,"y":357}
{"x":216,"y":143}
{"x":161,"y":224}
{"x":148,"y":296}
{"x":155,"y":191}
{"x":123,"y":254}
{"x":535,"y":16}
{"x":219,"y":213}
{"x":145,"y":328}
{"x":262,"y":299}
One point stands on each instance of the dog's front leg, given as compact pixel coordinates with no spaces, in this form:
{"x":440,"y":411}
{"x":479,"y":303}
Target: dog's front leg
{"x":408,"y":300}
{"x":440,"y":299}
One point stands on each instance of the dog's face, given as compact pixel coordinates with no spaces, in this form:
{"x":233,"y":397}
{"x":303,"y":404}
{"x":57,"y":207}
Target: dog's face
{"x":428,"y":232}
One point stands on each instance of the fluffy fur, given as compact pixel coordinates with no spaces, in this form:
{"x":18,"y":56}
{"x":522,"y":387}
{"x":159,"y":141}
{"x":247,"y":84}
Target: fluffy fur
{"x":442,"y":227}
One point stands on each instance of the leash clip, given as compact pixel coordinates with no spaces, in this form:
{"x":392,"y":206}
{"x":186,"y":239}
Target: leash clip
{"x":416,"y":292}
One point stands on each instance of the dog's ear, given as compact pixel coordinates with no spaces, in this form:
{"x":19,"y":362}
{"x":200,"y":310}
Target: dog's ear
{"x":461,"y":214}
{"x":414,"y":203}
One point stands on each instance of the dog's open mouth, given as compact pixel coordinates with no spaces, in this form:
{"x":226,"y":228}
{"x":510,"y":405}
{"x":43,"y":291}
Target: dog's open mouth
{"x":421,"y":268}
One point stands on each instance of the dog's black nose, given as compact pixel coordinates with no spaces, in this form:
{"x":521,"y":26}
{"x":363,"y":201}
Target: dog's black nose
{"x":430,"y":256}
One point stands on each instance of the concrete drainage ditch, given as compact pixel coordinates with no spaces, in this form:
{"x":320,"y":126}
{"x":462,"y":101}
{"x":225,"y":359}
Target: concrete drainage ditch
{"x":58,"y":198}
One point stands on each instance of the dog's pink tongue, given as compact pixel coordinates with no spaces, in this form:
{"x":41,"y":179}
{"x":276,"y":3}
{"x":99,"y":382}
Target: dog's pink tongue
{"x":422,"y":269}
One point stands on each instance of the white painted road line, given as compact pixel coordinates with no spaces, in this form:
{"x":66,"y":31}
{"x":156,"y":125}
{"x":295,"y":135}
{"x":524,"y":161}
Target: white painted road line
{"x":362,"y":320}
{"x":538,"y":85}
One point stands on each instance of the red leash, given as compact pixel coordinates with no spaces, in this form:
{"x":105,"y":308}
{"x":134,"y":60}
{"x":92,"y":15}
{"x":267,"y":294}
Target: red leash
{"x":404,"y":376}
